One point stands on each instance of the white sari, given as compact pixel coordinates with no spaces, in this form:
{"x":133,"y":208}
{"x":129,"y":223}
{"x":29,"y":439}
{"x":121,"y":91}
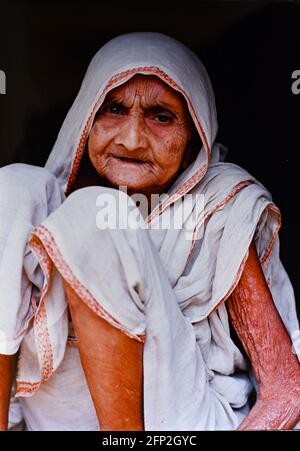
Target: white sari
{"x":195,"y":377}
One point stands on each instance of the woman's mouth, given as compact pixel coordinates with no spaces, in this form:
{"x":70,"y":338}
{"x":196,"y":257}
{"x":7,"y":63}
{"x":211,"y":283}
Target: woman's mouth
{"x":130,"y":160}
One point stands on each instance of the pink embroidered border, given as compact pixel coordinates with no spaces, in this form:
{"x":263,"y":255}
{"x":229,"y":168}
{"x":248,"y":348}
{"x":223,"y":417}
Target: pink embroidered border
{"x":266,"y":257}
{"x":236,"y":190}
{"x":234,"y":284}
{"x":47,"y":252}
{"x":45,"y":352}
{"x":189,"y":184}
{"x":27,"y":388}
{"x":54,"y":253}
{"x":267,"y":254}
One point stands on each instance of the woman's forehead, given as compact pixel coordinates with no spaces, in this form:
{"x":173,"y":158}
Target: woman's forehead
{"x":150,"y":89}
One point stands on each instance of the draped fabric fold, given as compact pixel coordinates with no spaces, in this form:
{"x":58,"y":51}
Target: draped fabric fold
{"x":202,"y":265}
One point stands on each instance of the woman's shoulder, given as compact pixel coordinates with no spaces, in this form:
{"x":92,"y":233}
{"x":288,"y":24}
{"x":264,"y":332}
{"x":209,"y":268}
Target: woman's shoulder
{"x":23,"y":170}
{"x":26,"y":179}
{"x":224,"y":179}
{"x":21,"y":173}
{"x":228,"y":171}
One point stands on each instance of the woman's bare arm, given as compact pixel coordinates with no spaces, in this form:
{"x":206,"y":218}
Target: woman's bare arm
{"x":265,"y":339}
{"x":7,"y":371}
{"x":113,"y":366}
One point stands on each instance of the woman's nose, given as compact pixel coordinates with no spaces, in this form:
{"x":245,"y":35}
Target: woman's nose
{"x":132,"y":134}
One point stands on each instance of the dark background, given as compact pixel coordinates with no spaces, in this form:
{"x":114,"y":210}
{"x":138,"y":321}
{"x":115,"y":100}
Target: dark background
{"x":249,"y":48}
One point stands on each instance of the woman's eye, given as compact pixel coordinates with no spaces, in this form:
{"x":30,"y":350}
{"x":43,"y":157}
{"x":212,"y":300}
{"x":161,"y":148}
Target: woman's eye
{"x":162,"y":118}
{"x":114,"y":109}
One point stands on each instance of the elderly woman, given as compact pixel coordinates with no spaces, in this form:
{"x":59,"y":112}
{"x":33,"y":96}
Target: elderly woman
{"x":128,"y":327}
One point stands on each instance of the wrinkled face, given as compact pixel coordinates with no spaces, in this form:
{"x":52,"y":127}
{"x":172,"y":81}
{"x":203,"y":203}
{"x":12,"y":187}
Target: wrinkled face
{"x":140,"y":135}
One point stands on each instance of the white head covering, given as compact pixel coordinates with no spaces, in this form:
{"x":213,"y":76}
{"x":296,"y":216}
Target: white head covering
{"x":203,"y":271}
{"x":114,"y":64}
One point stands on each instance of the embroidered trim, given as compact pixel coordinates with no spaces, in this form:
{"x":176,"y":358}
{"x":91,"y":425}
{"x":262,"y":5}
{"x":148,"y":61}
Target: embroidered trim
{"x":234,"y":284}
{"x":25,"y":388}
{"x":183,"y":189}
{"x":264,"y":260}
{"x":54,"y":253}
{"x":83,"y":137}
{"x":236,"y":190}
{"x":267,"y":254}
{"x":40,"y":320}
{"x":44,"y":347}
{"x":266,"y":257}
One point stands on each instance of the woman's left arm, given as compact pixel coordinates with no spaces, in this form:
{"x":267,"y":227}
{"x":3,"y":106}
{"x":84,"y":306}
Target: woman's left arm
{"x":266,"y":341}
